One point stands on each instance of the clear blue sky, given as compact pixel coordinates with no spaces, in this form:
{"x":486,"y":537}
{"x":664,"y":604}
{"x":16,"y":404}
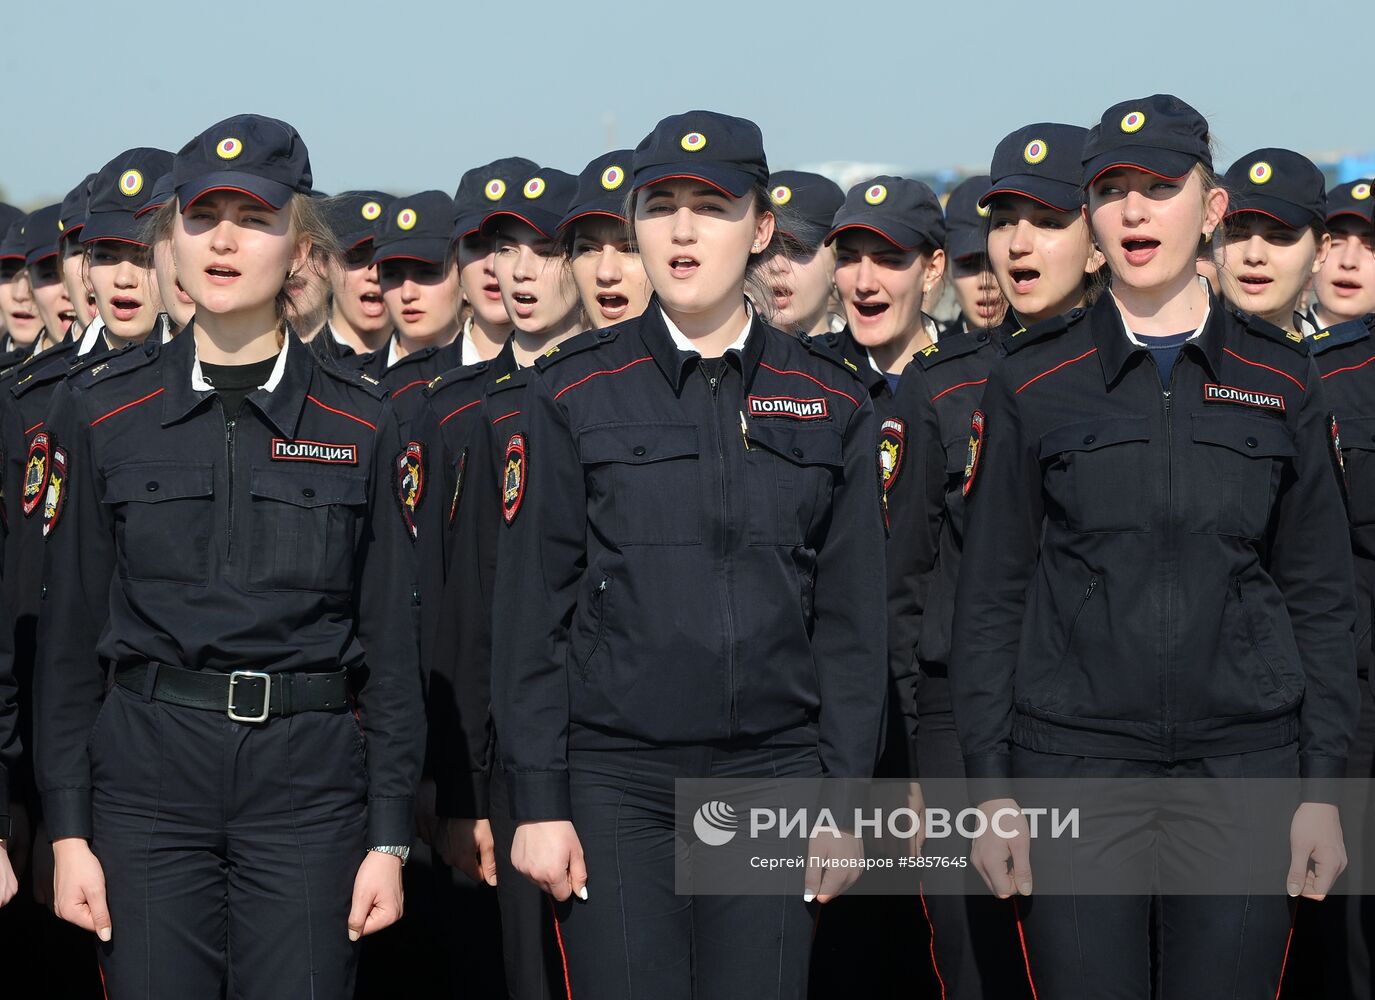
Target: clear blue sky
{"x":406,"y":95}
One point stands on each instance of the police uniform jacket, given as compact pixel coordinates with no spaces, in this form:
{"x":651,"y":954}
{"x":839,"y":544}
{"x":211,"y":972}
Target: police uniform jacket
{"x":1345,"y":355}
{"x":457,"y":557}
{"x":922,"y":449}
{"x":273,"y":542}
{"x":1153,"y":575}
{"x":676,"y":577}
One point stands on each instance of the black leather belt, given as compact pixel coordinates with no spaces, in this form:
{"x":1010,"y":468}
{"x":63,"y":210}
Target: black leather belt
{"x":244,"y":695}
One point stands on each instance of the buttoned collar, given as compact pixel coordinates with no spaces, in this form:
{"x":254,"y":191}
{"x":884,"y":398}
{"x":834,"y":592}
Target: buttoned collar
{"x":1117,"y":344}
{"x":673,"y":351}
{"x":279,"y":399}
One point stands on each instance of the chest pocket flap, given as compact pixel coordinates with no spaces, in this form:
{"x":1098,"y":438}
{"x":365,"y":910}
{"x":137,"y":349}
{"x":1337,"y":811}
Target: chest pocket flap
{"x":309,"y":488}
{"x":1091,"y":435}
{"x":1254,"y":437}
{"x":638,"y":443}
{"x":1357,"y":432}
{"x":153,"y":482}
{"x":800,"y":445}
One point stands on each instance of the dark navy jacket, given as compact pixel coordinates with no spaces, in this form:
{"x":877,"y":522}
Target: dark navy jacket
{"x":687,"y":564}
{"x":1154,"y":575}
{"x":273,"y":542}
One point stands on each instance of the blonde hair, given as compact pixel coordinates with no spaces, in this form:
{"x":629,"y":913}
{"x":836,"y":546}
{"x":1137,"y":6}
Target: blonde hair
{"x":306,"y":223}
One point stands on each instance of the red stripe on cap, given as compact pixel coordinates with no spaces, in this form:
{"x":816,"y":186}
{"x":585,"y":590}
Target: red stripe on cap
{"x":809,"y":378}
{"x":340,"y":412}
{"x":984,"y":201}
{"x":1350,"y":368}
{"x":1257,"y":364}
{"x":121,"y":409}
{"x":596,"y":211}
{"x":830,"y":237}
{"x":954,"y":387}
{"x":687,"y":177}
{"x":515,"y":215}
{"x":1052,"y":371}
{"x":604,"y":371}
{"x":1144,"y":170}
{"x":229,"y":187}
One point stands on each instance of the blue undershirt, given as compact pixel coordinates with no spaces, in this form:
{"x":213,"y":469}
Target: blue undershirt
{"x":1165,"y":351}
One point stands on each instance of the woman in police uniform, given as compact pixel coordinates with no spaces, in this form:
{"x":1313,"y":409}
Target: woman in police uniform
{"x":1156,"y":580}
{"x":223,"y":535}
{"x":691,"y":556}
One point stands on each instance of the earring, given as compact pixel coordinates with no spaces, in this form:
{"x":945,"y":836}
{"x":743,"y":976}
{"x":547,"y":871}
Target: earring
{"x":756,"y":244}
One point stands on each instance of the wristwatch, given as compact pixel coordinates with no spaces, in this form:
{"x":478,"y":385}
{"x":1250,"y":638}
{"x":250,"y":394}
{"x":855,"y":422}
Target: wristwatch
{"x":404,"y":853}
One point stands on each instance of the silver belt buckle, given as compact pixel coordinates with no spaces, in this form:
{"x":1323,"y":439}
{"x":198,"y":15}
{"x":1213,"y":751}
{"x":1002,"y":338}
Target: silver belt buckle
{"x":255,"y":675}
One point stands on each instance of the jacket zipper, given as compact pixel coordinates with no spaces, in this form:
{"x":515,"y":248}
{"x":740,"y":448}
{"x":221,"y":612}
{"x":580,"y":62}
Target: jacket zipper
{"x":1083,"y":603}
{"x":600,"y":595}
{"x":1251,"y":634}
{"x":1169,"y":593}
{"x":725,"y":548}
{"x":229,"y":455}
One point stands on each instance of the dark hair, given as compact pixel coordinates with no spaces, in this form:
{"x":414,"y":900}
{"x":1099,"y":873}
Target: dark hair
{"x":563,"y":243}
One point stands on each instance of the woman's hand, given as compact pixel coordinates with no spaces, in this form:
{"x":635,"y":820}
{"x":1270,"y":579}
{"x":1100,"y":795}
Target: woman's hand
{"x":549,"y":854}
{"x":79,"y":887}
{"x":1317,"y":851}
{"x":1003,"y":862}
{"x":824,"y":882}
{"x":9,"y":883}
{"x":377,"y":895}
{"x":467,"y":844}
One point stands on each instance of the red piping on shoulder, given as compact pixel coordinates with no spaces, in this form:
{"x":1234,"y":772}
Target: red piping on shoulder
{"x":604,"y":371}
{"x":1052,"y":371}
{"x":121,"y":409}
{"x":1257,"y":364}
{"x":809,"y":378}
{"x":954,"y":387}
{"x":340,"y":412}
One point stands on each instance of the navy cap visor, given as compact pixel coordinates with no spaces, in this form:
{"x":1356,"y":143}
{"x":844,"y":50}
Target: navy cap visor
{"x":1161,"y":162}
{"x":1284,"y":212}
{"x":726,"y":179}
{"x":902,"y":236}
{"x":1051,"y":193}
{"x":546,"y":223}
{"x":964,"y":241}
{"x":430,"y":249}
{"x":123,"y":226}
{"x":271,"y":193}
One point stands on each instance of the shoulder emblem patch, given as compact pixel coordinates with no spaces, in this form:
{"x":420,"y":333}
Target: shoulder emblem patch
{"x":1213,"y":393}
{"x":36,"y":473}
{"x":57,"y":492}
{"x":410,"y":483}
{"x":513,"y":478}
{"x":892,"y":446}
{"x":1338,"y":463}
{"x":788,"y":406}
{"x":976,"y":443}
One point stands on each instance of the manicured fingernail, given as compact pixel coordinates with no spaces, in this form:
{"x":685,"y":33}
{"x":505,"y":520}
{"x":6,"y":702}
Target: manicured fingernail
{"x":353,"y":934}
{"x":103,"y":934}
{"x":1293,"y":889}
{"x":808,"y":896}
{"x":1025,"y":888}
{"x":582,"y":894}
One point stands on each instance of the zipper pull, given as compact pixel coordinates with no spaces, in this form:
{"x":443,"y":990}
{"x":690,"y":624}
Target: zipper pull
{"x":744,"y":431}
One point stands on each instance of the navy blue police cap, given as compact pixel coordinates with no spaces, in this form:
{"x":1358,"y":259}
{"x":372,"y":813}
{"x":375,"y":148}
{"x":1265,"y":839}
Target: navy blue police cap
{"x":810,"y":201}
{"x":416,"y":227}
{"x":12,"y":240}
{"x":1279,"y":183}
{"x":1159,"y":134}
{"x":487,"y":187}
{"x":541,"y":200}
{"x":1043,"y":162}
{"x":720,"y":150}
{"x":1352,"y":198}
{"x":40,"y":233}
{"x":601,"y":188}
{"x":258,"y":156}
{"x":120,"y":189}
{"x":903,"y":211}
{"x":160,"y":194}
{"x":72,"y":215}
{"x":964,"y":218}
{"x":9,"y":215}
{"x":354,"y":216}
